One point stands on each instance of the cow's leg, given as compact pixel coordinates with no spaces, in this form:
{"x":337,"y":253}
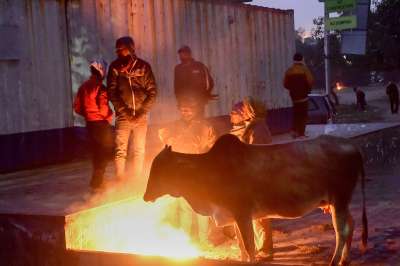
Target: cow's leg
{"x":340,"y":220}
{"x":349,"y":231}
{"x":263,"y":229}
{"x":243,"y":253}
{"x":245,"y":225}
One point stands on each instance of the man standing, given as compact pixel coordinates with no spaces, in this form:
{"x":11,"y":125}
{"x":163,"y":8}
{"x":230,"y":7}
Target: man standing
{"x":132,"y":89}
{"x":360,"y":99}
{"x":393,"y":92}
{"x":299,"y":81}
{"x":192,"y":80}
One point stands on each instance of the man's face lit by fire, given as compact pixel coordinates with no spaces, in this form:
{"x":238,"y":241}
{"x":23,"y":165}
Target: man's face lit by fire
{"x":185,"y":56}
{"x":188,"y":113}
{"x":122,"y":51}
{"x":236,"y":118}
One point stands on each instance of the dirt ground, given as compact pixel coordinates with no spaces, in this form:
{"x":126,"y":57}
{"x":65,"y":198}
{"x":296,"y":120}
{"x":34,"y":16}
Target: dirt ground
{"x":310,"y":240}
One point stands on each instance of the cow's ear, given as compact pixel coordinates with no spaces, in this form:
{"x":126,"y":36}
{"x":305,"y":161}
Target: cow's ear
{"x":167,"y":147}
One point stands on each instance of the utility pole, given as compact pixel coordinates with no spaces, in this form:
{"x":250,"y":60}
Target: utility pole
{"x":326,"y":55}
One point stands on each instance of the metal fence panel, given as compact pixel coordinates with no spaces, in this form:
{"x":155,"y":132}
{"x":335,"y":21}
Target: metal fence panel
{"x":35,"y":92}
{"x":246,"y":48}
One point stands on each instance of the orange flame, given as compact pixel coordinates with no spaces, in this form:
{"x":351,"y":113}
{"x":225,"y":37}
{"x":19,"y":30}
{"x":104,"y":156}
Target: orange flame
{"x":338,"y":86}
{"x":136,"y":227}
{"x":129,"y":226}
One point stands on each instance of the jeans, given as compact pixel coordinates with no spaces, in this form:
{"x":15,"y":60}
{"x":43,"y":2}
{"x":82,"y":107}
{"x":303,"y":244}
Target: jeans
{"x":130,"y":141}
{"x":101,"y":145}
{"x":300,"y":117}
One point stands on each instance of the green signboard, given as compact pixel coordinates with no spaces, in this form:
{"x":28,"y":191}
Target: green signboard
{"x":341,"y":23}
{"x":339,"y":5}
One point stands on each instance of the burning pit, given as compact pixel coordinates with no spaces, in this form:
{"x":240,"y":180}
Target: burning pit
{"x":136,"y":227}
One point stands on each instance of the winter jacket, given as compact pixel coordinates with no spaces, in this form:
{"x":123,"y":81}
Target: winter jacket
{"x":91,"y":101}
{"x":196,"y":136}
{"x":254,"y":129}
{"x":131,"y":87}
{"x":299,"y":81}
{"x":193,"y":80}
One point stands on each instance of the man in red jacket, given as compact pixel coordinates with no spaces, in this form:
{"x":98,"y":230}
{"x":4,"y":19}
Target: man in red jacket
{"x":299,"y":81}
{"x":92,"y":103}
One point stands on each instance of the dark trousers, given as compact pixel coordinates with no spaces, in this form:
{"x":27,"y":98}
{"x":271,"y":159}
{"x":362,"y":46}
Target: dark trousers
{"x":300,"y":117}
{"x":101,"y":144}
{"x":394,"y":104}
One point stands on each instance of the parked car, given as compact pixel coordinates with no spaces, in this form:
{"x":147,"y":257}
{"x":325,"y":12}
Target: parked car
{"x":320,"y":109}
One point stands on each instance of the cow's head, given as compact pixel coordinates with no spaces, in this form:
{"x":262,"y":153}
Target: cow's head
{"x":162,"y":178}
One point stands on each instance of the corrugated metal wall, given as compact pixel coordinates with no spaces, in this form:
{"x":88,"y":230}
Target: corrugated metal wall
{"x":246,"y":48}
{"x":35,"y":90}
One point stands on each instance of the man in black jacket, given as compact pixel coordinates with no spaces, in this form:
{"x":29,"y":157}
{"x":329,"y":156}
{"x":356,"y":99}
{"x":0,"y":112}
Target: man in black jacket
{"x":192,"y":80}
{"x":393,"y":92}
{"x":132,"y":90}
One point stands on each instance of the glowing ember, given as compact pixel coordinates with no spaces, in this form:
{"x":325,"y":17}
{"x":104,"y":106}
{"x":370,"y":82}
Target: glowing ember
{"x":129,"y":226}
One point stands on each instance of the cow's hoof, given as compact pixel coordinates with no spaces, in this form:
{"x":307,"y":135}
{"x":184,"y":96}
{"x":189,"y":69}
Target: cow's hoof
{"x":244,"y":257}
{"x":265,"y":256}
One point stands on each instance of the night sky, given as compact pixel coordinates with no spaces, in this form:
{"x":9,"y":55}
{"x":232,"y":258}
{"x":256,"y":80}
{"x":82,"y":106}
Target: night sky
{"x":305,"y":10}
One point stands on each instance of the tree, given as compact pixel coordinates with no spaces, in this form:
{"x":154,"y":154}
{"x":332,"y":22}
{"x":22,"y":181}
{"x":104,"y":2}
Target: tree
{"x":383,"y":48}
{"x":384,"y":36}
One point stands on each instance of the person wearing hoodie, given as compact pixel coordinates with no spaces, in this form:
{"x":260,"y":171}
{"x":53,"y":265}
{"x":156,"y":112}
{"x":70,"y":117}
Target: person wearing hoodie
{"x":299,"y":81}
{"x":132,"y":90}
{"x":91,"y":102}
{"x":249,"y":125}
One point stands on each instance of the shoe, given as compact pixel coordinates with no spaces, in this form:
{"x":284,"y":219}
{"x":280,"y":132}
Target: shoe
{"x":265,"y":255}
{"x":294,"y":134}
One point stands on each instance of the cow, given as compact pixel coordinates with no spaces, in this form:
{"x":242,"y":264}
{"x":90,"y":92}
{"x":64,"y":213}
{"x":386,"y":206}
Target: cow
{"x":236,"y":182}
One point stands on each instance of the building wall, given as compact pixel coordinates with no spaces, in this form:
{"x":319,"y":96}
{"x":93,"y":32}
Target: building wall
{"x":35,"y":90}
{"x":246,"y":48}
{"x":43,"y":62}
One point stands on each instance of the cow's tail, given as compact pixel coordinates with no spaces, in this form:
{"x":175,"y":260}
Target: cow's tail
{"x":364,"y":234}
